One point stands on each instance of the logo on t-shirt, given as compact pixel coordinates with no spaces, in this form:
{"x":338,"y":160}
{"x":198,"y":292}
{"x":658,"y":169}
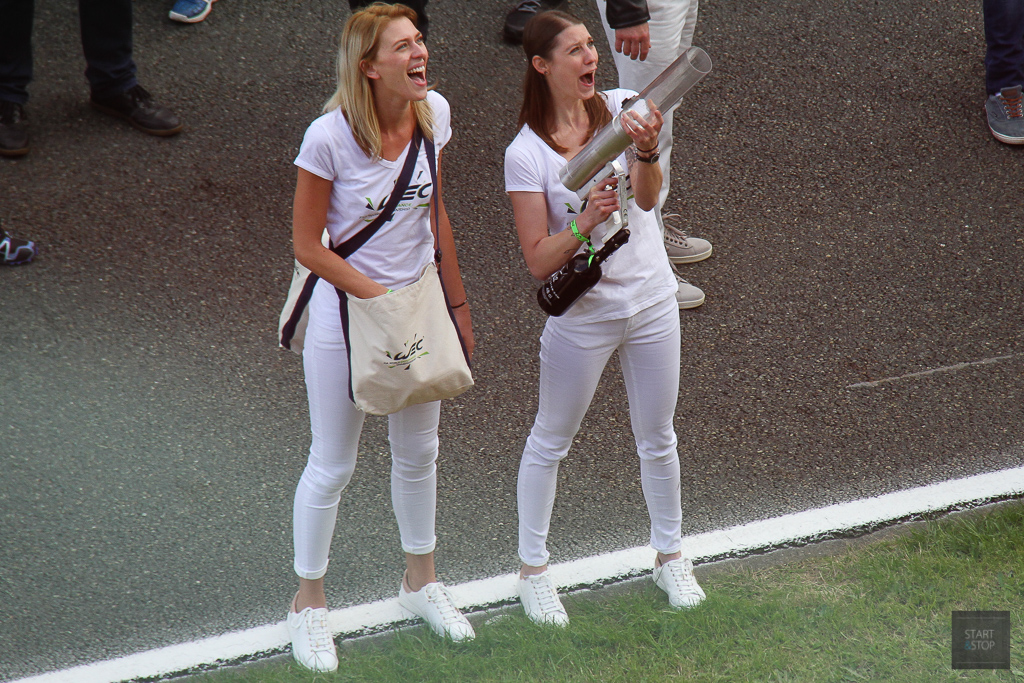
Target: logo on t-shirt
{"x":416,"y":196}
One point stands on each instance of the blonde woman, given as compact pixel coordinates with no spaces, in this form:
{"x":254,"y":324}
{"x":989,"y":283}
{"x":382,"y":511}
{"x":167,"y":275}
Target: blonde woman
{"x":352,"y":153}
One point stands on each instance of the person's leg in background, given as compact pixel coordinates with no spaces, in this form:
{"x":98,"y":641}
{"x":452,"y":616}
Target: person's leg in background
{"x":418,"y":6}
{"x":1004,"y":69}
{"x":671,"y":28}
{"x":15,"y":74}
{"x":107,"y":44}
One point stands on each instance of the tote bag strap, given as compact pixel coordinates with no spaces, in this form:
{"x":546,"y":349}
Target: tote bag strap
{"x":349,"y":246}
{"x":432,"y":162}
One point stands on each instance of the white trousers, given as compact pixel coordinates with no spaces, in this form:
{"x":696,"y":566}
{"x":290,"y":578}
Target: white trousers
{"x":672,"y":24}
{"x":336,"y":424}
{"x":572,"y":359}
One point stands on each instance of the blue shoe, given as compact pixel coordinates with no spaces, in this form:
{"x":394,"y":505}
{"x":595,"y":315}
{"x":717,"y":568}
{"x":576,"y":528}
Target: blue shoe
{"x":14,"y":252}
{"x":1006,"y":116}
{"x":191,"y":11}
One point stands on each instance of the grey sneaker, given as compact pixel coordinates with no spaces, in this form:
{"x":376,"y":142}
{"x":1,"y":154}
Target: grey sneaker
{"x":687,"y":296}
{"x":681,"y":247}
{"x":1006,"y":116}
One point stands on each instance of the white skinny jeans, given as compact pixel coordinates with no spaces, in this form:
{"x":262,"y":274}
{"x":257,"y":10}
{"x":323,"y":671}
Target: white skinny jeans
{"x":336,"y":424}
{"x":672,"y":24}
{"x":572,"y":359}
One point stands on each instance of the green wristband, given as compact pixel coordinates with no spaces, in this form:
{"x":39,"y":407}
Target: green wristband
{"x":576,"y":232}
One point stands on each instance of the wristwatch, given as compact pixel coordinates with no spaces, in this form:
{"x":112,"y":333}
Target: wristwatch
{"x":653,"y":159}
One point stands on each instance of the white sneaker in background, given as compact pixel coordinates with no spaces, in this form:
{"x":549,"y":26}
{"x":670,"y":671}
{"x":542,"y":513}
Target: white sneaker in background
{"x":681,"y":247}
{"x":687,"y":296}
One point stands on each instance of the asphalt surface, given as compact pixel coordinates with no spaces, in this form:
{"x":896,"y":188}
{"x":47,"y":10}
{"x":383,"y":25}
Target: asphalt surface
{"x":866,"y":225}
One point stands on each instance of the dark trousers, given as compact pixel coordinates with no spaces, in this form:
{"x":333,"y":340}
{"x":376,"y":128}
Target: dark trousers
{"x":418,"y":6}
{"x":106,"y":27}
{"x":1004,"y":35}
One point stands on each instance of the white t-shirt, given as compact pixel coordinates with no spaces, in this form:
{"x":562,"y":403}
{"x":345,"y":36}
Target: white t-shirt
{"x":636,"y":276}
{"x":399,"y":251}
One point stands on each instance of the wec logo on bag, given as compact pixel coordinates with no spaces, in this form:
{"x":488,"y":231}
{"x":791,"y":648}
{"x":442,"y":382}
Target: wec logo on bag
{"x":404,"y":359}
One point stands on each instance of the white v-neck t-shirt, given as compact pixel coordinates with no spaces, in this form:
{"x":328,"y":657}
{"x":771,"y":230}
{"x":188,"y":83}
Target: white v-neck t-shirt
{"x":397,"y":254}
{"x":636,"y":276}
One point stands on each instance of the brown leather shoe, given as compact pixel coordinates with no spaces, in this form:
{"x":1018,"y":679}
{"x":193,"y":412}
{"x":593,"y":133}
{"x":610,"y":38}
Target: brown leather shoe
{"x":13,"y":129}
{"x":136,"y":106}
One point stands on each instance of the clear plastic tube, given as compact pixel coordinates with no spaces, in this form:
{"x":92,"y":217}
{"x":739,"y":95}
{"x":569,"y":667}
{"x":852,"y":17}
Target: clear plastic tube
{"x":664,"y":92}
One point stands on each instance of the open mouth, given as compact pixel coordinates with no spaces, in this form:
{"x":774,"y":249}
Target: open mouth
{"x":587,"y":80}
{"x":418,"y":75}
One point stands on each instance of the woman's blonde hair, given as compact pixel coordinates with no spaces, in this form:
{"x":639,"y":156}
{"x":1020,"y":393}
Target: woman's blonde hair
{"x":360,"y":41}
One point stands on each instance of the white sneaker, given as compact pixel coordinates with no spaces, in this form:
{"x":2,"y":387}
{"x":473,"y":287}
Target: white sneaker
{"x":312,"y":643}
{"x":540,"y":600}
{"x":676,"y":578}
{"x":681,"y":247}
{"x":433,"y":603}
{"x":687,"y":296}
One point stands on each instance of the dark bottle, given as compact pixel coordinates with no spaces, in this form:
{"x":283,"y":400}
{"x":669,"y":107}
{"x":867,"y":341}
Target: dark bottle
{"x":567,"y":284}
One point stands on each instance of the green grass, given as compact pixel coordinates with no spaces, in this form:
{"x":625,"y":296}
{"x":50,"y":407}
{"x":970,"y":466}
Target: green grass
{"x":879,"y":612}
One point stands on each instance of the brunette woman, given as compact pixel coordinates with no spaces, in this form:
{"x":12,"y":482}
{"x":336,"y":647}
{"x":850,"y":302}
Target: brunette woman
{"x":632,"y":309}
{"x":353,"y":152}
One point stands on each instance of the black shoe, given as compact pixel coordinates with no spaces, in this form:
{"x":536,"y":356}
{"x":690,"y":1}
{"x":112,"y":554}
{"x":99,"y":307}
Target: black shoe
{"x":136,"y":106}
{"x":516,"y":20}
{"x":15,"y":252}
{"x":13,"y":129}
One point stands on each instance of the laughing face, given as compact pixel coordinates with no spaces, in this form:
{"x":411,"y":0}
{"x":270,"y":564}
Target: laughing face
{"x":573,"y":62}
{"x":400,"y":67}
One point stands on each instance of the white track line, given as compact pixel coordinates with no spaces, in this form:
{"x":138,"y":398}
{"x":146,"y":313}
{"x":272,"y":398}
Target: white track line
{"x":933,"y":371}
{"x":798,"y":528}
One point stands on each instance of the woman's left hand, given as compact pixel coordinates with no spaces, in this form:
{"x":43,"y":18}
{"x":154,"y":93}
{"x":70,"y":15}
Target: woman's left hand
{"x":465,"y":328}
{"x":643,"y":132}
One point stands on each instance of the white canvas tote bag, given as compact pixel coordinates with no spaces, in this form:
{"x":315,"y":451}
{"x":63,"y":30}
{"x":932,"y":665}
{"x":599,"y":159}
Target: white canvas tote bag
{"x":404,"y":348}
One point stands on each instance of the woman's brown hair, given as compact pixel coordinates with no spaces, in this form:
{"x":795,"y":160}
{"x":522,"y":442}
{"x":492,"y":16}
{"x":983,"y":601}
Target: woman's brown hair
{"x":539,"y":38}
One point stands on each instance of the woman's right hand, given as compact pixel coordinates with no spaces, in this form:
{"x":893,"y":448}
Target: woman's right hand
{"x":374,"y":291}
{"x":602,"y":201}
